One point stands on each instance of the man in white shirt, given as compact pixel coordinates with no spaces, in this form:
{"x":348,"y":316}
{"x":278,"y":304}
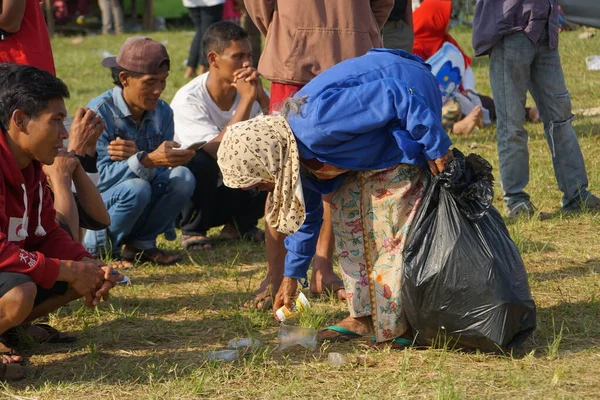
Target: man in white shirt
{"x":231,"y":91}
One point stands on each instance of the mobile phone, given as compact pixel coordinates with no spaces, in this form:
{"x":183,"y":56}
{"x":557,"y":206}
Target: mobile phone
{"x":194,"y":146}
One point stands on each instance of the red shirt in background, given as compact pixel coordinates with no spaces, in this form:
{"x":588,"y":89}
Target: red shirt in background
{"x":31,"y":44}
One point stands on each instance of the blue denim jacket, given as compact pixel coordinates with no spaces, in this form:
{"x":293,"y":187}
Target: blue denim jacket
{"x":156,"y":127}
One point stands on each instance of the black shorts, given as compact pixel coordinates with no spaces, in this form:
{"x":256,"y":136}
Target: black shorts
{"x":8,"y":280}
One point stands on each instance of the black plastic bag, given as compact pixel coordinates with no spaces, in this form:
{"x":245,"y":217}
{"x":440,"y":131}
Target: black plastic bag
{"x":464,"y":279}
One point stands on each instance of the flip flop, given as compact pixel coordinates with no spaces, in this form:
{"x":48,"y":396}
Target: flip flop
{"x":345,"y":334}
{"x":56,"y":336}
{"x":402,"y":342}
{"x":12,"y":372}
{"x":196,"y":243}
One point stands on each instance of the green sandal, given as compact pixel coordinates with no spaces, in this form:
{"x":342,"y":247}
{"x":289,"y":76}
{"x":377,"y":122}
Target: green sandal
{"x":345,"y":334}
{"x":404,"y":343}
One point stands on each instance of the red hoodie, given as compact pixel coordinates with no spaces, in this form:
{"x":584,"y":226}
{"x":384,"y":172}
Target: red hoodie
{"x":35,"y":247}
{"x":31,"y":44}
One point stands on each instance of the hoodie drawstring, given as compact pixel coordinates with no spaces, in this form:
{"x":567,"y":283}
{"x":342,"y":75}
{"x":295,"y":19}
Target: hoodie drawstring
{"x":23,"y":231}
{"x":39,"y":230}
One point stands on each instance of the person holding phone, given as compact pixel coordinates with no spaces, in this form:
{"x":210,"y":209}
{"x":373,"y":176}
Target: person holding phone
{"x":142,"y":179}
{"x":230,"y":92}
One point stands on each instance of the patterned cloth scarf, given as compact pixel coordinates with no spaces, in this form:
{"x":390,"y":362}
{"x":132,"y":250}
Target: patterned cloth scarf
{"x":264,"y":150}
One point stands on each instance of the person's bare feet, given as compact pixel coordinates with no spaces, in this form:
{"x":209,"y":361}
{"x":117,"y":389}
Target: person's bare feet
{"x":324,"y":280}
{"x":121,"y":264}
{"x":533,"y":115}
{"x":8,"y":354}
{"x":190,"y":73}
{"x":469,"y":122}
{"x":361,"y":326}
{"x":229,"y":231}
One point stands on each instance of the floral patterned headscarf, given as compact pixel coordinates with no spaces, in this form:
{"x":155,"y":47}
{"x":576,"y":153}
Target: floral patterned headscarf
{"x":264,"y":150}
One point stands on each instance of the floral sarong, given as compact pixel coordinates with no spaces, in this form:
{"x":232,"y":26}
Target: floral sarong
{"x":372,"y":212}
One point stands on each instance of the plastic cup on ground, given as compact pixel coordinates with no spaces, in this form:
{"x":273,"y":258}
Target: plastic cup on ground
{"x":593,"y":63}
{"x":243,"y":344}
{"x":223,"y":355}
{"x":337,"y":359}
{"x":294,"y":335}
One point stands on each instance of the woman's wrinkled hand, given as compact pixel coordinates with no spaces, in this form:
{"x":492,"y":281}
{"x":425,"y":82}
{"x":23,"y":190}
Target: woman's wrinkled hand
{"x":286,"y":296}
{"x":439,"y":164}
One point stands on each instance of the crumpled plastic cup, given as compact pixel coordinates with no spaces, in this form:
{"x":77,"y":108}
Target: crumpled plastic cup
{"x":337,"y":359}
{"x":243,"y":344}
{"x":294,"y":335}
{"x":223,"y":355}
{"x":593,"y":63}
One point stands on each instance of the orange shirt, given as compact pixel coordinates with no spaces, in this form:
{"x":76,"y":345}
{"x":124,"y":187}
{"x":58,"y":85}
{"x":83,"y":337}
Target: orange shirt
{"x":31,"y":44}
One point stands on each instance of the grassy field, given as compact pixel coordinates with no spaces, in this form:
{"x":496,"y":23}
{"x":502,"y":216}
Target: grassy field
{"x":151,"y":340}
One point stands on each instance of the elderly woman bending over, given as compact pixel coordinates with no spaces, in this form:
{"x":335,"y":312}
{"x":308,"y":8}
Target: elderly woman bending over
{"x":365,"y":129}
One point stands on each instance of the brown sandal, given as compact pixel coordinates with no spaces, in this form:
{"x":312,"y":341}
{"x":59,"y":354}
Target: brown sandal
{"x":54,"y":335}
{"x":27,"y":332}
{"x":196,"y":243}
{"x":155,"y":256}
{"x":12,"y":372}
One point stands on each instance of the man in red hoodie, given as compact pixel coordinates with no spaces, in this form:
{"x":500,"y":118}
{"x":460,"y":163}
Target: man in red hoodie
{"x":41,"y":267}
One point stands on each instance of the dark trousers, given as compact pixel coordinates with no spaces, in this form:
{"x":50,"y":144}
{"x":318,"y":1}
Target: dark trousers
{"x":202,"y":17}
{"x":213,"y":205}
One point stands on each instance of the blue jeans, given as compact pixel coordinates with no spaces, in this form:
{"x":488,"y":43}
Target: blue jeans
{"x":140,"y":210}
{"x":517,"y":64}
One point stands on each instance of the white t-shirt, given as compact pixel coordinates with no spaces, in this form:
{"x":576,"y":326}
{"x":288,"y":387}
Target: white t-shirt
{"x":201,"y":3}
{"x":197,"y":117}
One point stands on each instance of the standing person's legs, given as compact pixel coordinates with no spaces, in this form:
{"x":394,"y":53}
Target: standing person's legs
{"x":170,"y":191}
{"x":510,"y":63}
{"x":208,"y":16}
{"x":196,"y":45}
{"x":106,"y":10}
{"x":552,"y":97}
{"x":198,"y":212}
{"x":117,"y":13}
{"x":398,"y":35}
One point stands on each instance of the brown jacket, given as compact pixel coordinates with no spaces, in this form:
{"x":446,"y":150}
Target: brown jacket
{"x":305,"y":37}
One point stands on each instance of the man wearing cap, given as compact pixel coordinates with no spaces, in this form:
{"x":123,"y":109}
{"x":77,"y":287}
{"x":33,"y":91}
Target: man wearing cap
{"x":141,"y":178}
